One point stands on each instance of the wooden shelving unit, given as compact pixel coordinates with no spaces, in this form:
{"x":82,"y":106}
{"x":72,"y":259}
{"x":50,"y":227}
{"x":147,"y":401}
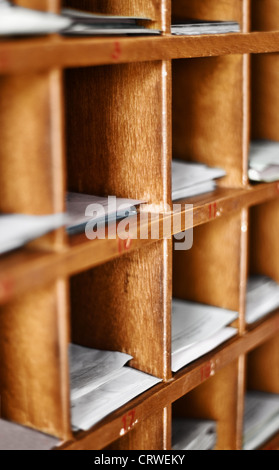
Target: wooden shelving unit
{"x":105,"y":116}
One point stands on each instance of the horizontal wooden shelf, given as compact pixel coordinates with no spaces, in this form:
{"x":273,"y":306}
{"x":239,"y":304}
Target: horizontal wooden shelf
{"x":31,"y":267}
{"x":45,"y":53}
{"x":111,"y":428}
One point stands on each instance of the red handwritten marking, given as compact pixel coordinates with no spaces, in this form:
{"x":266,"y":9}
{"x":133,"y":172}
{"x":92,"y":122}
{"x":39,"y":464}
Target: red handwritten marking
{"x":6,"y":289}
{"x":124,"y":245}
{"x":128,"y":420}
{"x":210,"y":211}
{"x":206,"y":371}
{"x":117,"y":51}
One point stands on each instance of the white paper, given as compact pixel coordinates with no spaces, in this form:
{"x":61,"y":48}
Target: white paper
{"x":77,"y":205}
{"x":96,"y":405}
{"x":15,"y":437}
{"x":196,"y":27}
{"x":264,"y":161}
{"x":262,"y":297}
{"x":194,"y":322}
{"x":190,"y":179}
{"x":261,"y":418}
{"x":193,"y":434}
{"x":16,"y":229}
{"x":88,"y":30}
{"x":90,"y":368}
{"x":20,"y":21}
{"x":185,"y":356}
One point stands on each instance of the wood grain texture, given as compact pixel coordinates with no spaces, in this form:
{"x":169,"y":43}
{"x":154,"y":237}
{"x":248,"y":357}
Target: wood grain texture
{"x":265,"y":15}
{"x":210,"y":272}
{"x":45,"y":53}
{"x":34,"y":361}
{"x":43,"y":5}
{"x":215,"y":400}
{"x":208,"y":115}
{"x":225,"y":10}
{"x":264,"y":246}
{"x":32,"y":154}
{"x":116,"y":143}
{"x":265,"y":96}
{"x":125,"y":306}
{"x":259,"y":376}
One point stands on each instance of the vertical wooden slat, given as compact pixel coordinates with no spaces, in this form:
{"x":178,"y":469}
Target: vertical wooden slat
{"x":124,"y":150}
{"x":34,"y":328}
{"x":33,"y":350}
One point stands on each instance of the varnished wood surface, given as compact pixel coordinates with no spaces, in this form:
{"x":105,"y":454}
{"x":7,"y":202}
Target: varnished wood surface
{"x":34,"y":379}
{"x":208,"y":129}
{"x":182,"y":383}
{"x":30,"y":267}
{"x":26,"y":55}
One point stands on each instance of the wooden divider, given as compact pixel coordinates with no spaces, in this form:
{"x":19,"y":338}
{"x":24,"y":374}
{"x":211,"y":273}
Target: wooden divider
{"x":34,"y":328}
{"x":118,"y":143}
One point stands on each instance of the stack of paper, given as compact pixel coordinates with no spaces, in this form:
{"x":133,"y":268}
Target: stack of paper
{"x":16,"y":230}
{"x":191,"y":179}
{"x":82,"y":209}
{"x":262,"y":297}
{"x":261,"y":419}
{"x":18,"y":21}
{"x":195,"y":27}
{"x":89,"y":24}
{"x":198,"y":329}
{"x":100,"y":384}
{"x":15,"y":437}
{"x":193,"y":434}
{"x":264,"y":161}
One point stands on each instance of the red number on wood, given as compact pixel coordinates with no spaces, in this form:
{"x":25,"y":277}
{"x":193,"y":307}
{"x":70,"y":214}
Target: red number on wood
{"x":128,"y":420}
{"x":117,"y":51}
